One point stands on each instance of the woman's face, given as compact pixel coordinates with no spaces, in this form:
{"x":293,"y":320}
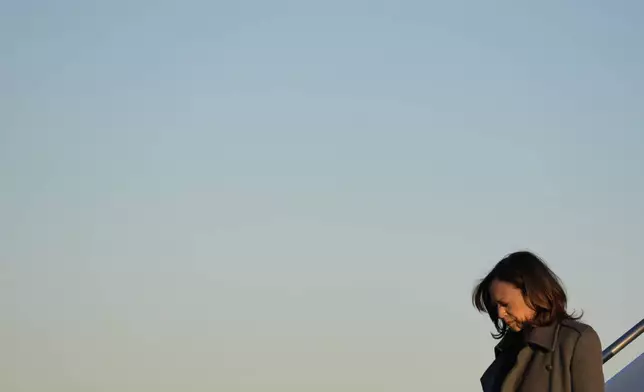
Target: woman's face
{"x":511,"y":305}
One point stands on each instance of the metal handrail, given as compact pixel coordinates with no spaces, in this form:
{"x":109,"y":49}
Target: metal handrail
{"x":623,"y":341}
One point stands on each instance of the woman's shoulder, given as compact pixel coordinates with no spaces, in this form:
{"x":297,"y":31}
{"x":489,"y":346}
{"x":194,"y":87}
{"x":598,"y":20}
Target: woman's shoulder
{"x":576,"y":326}
{"x":574,"y":331}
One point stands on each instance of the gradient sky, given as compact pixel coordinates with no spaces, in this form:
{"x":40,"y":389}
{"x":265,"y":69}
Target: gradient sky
{"x":299,"y":196}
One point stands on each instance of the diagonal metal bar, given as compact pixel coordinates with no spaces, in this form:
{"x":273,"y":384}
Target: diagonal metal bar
{"x":623,"y":341}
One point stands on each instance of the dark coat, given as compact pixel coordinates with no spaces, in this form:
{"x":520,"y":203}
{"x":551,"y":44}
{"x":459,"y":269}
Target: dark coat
{"x":562,"y":357}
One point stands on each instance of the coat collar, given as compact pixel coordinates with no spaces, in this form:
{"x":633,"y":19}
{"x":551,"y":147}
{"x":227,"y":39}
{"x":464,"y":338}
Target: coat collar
{"x":543,"y":337}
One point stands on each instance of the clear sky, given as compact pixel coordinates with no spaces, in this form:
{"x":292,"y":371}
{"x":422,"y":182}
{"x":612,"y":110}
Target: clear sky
{"x":285,"y":196}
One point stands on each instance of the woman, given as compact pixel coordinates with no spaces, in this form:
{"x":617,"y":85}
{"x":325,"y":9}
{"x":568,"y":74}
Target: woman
{"x":542,"y":347}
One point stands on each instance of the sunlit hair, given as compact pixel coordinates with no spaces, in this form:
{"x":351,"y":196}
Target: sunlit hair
{"x":542,"y":290}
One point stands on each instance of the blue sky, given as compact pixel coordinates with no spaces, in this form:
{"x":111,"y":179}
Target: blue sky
{"x":289,"y":196}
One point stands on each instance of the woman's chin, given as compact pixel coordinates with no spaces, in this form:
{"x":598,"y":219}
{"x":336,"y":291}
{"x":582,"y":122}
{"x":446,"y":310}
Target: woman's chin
{"x":516,"y":327}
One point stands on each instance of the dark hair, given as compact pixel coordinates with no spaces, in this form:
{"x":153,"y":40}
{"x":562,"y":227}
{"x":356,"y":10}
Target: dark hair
{"x":542,"y":290}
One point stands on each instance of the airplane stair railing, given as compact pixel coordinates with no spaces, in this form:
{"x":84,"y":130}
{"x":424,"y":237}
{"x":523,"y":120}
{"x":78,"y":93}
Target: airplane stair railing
{"x":623,"y":341}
